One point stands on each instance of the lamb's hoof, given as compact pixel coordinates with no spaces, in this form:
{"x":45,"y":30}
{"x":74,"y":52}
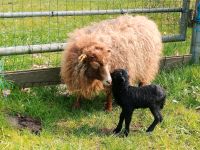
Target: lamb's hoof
{"x":125,"y":133}
{"x":116,"y":131}
{"x":149,"y":133}
{"x":149,"y":130}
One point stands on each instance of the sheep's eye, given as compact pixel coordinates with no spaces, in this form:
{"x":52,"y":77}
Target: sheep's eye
{"x":100,"y":64}
{"x":95,"y":65}
{"x":98,"y":48}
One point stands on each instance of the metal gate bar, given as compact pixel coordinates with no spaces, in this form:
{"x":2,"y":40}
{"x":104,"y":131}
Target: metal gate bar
{"x":86,"y":12}
{"x":54,"y":47}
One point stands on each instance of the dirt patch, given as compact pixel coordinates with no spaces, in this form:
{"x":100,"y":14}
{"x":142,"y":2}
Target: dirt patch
{"x":26,"y":122}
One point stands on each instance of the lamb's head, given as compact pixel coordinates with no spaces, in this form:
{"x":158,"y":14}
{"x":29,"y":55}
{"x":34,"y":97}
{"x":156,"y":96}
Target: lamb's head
{"x":120,"y":77}
{"x":95,"y":58}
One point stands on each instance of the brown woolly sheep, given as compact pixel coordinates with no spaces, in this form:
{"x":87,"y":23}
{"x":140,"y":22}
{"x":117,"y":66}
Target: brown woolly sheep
{"x":93,"y":52}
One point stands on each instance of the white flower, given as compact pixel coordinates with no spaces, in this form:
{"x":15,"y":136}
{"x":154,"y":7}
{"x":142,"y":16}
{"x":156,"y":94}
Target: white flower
{"x":6,"y":92}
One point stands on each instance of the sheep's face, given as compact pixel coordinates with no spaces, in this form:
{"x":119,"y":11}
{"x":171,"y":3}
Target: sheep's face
{"x":96,"y":58}
{"x":120,"y":76}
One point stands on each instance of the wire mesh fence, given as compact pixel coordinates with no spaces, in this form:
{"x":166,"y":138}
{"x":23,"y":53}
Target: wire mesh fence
{"x":35,"y":22}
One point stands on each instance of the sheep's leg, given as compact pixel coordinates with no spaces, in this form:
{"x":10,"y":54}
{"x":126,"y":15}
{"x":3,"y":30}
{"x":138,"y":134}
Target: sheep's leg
{"x":157,"y":118}
{"x":128,"y":116}
{"x":108,"y":105}
{"x":142,"y":83}
{"x":119,"y":126}
{"x":76,"y":104}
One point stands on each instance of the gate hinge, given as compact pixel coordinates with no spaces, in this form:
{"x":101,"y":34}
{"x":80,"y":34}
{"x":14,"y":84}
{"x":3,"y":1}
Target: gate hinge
{"x":197,"y":19}
{"x":191,"y":16}
{"x":194,"y":16}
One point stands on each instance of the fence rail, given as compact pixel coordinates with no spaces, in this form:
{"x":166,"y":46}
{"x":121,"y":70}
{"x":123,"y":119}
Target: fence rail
{"x":87,"y":12}
{"x":51,"y":76}
{"x":31,"y":49}
{"x":54,"y":47}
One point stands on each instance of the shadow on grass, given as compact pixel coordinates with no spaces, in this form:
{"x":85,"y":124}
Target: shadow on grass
{"x":48,"y":105}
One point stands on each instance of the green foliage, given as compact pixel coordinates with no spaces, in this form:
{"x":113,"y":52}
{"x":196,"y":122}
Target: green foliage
{"x":4,"y":84}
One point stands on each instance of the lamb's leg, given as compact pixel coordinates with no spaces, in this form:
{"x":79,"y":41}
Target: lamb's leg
{"x":108,"y":105}
{"x":161,"y":118}
{"x":157,"y":118}
{"x":128,"y":116}
{"x":76,"y":104}
{"x":119,"y":126}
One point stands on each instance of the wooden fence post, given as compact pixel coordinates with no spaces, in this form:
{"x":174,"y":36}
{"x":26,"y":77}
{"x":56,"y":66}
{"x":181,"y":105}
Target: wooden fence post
{"x":195,"y":45}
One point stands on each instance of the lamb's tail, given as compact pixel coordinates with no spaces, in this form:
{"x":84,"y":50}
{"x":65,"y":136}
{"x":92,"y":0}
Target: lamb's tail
{"x":162,"y":101}
{"x":162,"y":96}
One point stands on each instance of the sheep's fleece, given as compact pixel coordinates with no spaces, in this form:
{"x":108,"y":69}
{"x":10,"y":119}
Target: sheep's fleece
{"x":135,"y":44}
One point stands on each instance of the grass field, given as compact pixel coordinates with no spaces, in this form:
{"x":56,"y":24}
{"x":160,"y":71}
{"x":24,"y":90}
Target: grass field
{"x":90,"y":127}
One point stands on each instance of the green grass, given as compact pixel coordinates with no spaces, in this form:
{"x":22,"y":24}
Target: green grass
{"x":64,"y":128}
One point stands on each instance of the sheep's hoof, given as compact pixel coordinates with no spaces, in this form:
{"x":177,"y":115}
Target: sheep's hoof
{"x":76,"y":105}
{"x":142,"y":84}
{"x":108,"y":107}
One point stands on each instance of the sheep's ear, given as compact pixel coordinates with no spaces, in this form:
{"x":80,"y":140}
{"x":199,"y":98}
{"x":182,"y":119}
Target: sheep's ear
{"x":82,"y":57}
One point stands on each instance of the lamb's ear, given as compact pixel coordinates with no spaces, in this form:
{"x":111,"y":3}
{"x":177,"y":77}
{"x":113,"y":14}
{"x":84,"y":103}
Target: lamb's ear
{"x":123,"y":79}
{"x":126,"y":70}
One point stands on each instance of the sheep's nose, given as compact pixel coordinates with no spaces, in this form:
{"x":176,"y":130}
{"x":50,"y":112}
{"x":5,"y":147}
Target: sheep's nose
{"x":107,"y":82}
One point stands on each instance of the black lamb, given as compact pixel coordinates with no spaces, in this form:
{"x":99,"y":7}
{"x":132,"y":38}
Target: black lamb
{"x":130,"y":98}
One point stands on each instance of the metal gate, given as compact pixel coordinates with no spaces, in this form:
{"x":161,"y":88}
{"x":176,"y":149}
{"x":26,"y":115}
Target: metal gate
{"x":29,"y":28}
